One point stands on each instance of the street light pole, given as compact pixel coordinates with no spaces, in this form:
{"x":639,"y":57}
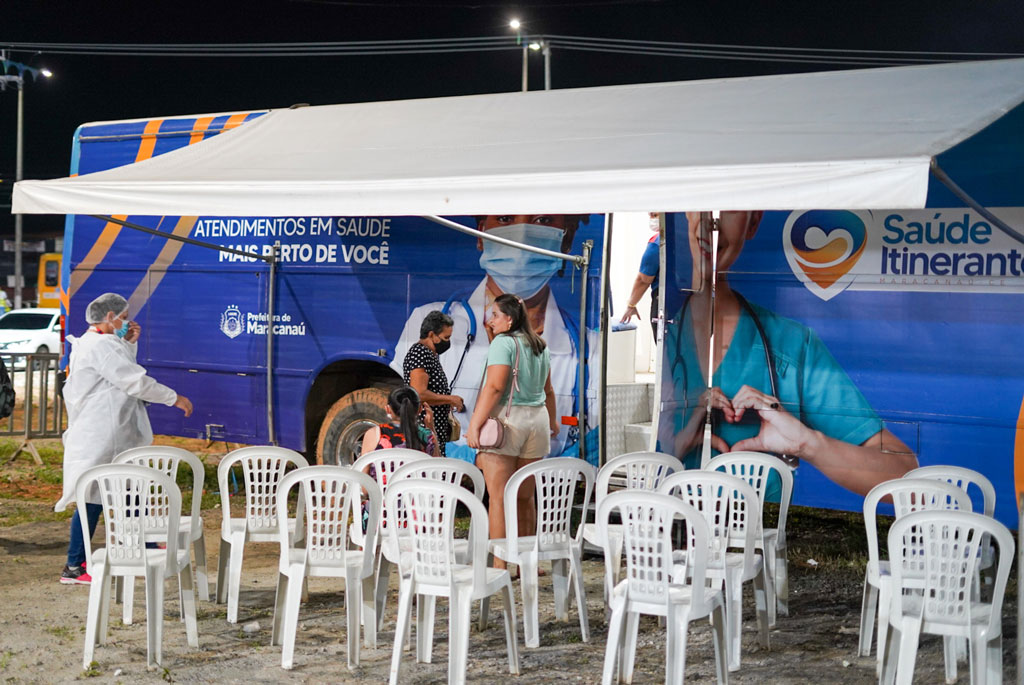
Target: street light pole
{"x":19,"y":82}
{"x":526,"y":67}
{"x":546,"y":48}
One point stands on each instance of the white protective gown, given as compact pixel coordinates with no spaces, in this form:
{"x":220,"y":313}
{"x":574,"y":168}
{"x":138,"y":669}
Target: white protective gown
{"x":104,"y":395}
{"x":563,"y":356}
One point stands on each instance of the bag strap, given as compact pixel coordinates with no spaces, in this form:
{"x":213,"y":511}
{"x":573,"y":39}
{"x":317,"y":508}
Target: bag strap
{"x":513,"y":380}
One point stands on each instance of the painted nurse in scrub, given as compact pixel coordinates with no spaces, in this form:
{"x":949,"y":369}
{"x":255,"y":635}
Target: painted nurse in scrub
{"x":815,"y":413}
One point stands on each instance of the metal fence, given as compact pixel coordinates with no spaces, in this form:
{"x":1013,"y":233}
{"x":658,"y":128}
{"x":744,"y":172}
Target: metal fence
{"x":39,"y":406}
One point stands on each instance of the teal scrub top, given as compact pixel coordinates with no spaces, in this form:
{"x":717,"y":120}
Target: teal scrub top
{"x":533,"y":369}
{"x":812,"y":385}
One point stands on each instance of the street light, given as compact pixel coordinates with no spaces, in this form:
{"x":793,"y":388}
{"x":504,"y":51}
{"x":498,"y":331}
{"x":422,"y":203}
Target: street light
{"x":18,"y":80}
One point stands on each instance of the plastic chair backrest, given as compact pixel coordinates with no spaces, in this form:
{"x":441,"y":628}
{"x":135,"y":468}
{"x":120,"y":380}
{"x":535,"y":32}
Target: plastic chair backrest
{"x":555,"y":493}
{"x":263,"y":467}
{"x":949,"y":543}
{"x":429,"y":507}
{"x":168,"y":459}
{"x":126,"y":494}
{"x":962,"y":478}
{"x":385,"y":462}
{"x":909,"y":495}
{"x":647,"y":519}
{"x":445,"y":470}
{"x":642,"y":471}
{"x":333,"y":503}
{"x":728,"y":504}
{"x":756,"y":468}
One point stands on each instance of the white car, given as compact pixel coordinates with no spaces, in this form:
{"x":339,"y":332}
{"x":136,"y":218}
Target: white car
{"x":30,"y":330}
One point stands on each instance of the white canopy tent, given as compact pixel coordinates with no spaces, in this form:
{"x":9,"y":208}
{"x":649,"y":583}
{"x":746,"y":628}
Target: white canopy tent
{"x":850,"y":139}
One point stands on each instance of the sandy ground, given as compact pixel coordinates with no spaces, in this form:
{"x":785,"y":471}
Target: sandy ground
{"x":43,"y":631}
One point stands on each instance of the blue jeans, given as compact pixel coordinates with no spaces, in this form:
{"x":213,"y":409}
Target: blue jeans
{"x":76,"y":547}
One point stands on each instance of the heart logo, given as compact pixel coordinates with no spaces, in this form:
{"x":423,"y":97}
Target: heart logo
{"x":822,"y":246}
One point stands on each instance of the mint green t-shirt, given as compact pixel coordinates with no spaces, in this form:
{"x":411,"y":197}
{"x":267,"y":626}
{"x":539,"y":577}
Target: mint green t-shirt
{"x":533,"y":368}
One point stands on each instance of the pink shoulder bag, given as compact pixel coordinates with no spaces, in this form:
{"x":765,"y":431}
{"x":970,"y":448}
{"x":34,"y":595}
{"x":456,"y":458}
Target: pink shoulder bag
{"x":492,"y":433}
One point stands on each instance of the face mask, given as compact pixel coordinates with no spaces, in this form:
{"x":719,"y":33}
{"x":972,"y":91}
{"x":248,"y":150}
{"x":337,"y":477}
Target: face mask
{"x":517,"y":271}
{"x":123,"y":330}
{"x":441,"y":346}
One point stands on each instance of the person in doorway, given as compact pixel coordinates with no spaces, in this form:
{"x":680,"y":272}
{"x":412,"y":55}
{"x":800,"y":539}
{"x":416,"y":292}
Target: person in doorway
{"x":517,"y":388}
{"x":105,"y":396}
{"x":422,"y":370}
{"x":509,"y":270}
{"x":817,"y":414}
{"x":647,"y":277}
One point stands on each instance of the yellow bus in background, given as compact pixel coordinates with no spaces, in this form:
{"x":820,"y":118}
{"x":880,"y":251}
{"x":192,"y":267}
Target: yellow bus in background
{"x":48,"y":285}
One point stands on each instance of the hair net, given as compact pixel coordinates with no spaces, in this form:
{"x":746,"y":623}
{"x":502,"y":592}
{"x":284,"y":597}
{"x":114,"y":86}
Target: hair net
{"x":106,"y":303}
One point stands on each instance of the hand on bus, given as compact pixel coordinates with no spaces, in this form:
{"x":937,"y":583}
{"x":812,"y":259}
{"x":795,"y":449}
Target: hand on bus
{"x":780,"y":432}
{"x":184,"y":404}
{"x":134,"y":331}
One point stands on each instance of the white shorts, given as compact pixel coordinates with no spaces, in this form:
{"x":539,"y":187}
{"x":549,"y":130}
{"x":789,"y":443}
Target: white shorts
{"x":527,"y":432}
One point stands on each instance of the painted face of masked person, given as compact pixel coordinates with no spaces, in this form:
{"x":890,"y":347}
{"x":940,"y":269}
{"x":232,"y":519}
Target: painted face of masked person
{"x":519,"y":272}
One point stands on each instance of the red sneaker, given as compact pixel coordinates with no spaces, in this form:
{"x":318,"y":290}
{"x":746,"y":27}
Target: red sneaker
{"x":75,"y":575}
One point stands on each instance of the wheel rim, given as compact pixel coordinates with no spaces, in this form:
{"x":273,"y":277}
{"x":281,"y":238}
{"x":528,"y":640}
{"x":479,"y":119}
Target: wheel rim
{"x":349,"y":445}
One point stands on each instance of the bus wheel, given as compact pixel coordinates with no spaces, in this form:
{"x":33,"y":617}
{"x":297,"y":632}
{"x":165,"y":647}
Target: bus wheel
{"x":341,"y":433}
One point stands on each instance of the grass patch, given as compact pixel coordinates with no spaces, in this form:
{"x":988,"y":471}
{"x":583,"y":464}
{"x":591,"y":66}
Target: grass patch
{"x":60,"y":632}
{"x":49,"y":475}
{"x":5,"y":660}
{"x":93,"y":671}
{"x":15,"y":512}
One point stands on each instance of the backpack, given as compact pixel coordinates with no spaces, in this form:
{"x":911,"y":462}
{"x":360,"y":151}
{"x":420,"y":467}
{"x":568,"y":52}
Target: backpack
{"x":6,"y":392}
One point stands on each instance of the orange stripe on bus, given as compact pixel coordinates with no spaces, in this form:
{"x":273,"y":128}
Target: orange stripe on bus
{"x":158,"y":269}
{"x":199,"y":129}
{"x":96,"y":254}
{"x":1018,"y":453}
{"x":235,"y":120}
{"x":148,"y":142}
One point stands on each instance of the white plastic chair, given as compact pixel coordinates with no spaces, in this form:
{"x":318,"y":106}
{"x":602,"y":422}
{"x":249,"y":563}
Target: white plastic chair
{"x":756,"y":468}
{"x":135,"y":500}
{"x":657,"y":584}
{"x":909,"y":495}
{"x":384,"y":464}
{"x":730,"y":508}
{"x":190,"y":528}
{"x":262,"y":470}
{"x":640,"y":471}
{"x":944,"y":547}
{"x":555,"y":496}
{"x":333,"y":498}
{"x":444,"y":470}
{"x":430,"y":569}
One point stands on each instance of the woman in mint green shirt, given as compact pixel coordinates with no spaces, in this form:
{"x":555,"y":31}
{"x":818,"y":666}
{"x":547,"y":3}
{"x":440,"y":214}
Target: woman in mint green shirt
{"x":524,"y":400}
{"x":819,"y":415}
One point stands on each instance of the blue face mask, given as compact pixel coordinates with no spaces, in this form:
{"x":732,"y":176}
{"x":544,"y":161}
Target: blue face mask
{"x":517,"y":271}
{"x":123,"y":330}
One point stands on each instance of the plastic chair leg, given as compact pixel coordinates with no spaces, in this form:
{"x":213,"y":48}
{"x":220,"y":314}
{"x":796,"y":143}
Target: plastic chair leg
{"x":353,"y":603}
{"x":404,"y":615}
{"x":369,"y":611}
{"x":485,"y":603}
{"x":202,"y":577}
{"x":761,"y":608}
{"x":279,"y":602}
{"x":154,"y":614}
{"x":769,"y":570}
{"x":509,"y":615}
{"x":576,"y":569}
{"x":734,"y":615}
{"x":719,"y":629}
{"x":560,"y":585}
{"x":994,"y":660}
{"x":868,"y":609}
{"x":782,"y":580}
{"x":222,"y":571}
{"x":610,"y":676}
{"x":290,"y":621}
{"x":234,"y":575}
{"x":675,"y":646}
{"x":381,"y":590}
{"x":909,"y":636}
{"x":949,"y":650}
{"x":629,"y":647}
{"x":105,"y":592}
{"x":188,"y":605}
{"x":425,"y":610}
{"x":92,"y":622}
{"x":891,"y":658}
{"x":458,"y":635}
{"x":884,"y":590}
{"x":528,"y":585}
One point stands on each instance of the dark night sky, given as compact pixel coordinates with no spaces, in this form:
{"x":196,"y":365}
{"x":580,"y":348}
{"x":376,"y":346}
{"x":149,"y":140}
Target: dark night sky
{"x":88,"y":88}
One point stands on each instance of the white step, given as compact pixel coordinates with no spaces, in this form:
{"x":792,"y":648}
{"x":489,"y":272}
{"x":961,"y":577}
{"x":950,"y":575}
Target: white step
{"x":637,"y":437}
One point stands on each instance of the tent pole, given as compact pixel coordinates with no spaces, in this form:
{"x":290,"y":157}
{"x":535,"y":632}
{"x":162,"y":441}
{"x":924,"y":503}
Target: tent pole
{"x":581,"y":351}
{"x":271,"y":293}
{"x":938,"y":173}
{"x":484,"y":235}
{"x":602,"y":388}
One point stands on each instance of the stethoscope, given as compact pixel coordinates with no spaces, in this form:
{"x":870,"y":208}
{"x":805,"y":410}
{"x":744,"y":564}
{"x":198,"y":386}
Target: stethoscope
{"x":679,"y":362}
{"x":574,"y":338}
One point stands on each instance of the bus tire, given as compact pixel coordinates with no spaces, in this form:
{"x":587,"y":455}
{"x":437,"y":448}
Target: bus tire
{"x":341,"y":433}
